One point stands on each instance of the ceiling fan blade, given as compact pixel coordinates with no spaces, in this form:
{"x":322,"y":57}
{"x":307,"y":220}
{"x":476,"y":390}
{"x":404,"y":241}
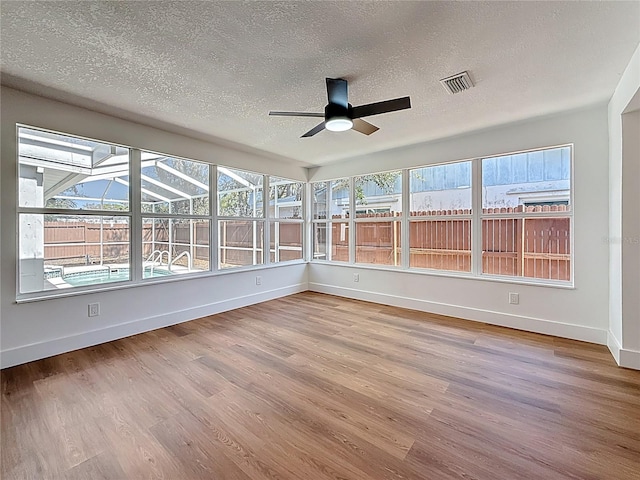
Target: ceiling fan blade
{"x":297,"y":114}
{"x":314,"y":130}
{"x":381,"y":107}
{"x":337,"y":91}
{"x":361,"y":126}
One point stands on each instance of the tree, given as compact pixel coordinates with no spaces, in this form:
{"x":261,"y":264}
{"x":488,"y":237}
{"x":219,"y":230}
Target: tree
{"x":182,"y":205}
{"x":385,"y":181}
{"x":116,"y":207}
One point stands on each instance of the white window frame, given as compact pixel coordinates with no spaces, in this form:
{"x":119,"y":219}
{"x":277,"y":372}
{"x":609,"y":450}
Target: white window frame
{"x":353,"y":248}
{"x":277,"y":220}
{"x":528,"y":215}
{"x":135,"y":217}
{"x":136,"y":177}
{"x":476,"y":217}
{"x":329,"y":221}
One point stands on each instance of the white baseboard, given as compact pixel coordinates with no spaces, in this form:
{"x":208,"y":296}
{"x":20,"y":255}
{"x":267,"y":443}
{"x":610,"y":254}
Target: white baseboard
{"x":49,"y":348}
{"x":529,"y":324}
{"x":624,"y":357}
{"x":614,"y":346}
{"x":27,"y":353}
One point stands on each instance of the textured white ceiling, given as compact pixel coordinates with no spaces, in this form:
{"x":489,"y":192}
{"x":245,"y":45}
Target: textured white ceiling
{"x":217,"y":68}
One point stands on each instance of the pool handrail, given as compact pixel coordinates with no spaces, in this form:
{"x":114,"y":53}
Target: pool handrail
{"x":180,"y":256}
{"x":153,"y":259}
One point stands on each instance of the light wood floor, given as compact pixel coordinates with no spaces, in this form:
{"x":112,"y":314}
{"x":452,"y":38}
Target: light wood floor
{"x":318,"y":387}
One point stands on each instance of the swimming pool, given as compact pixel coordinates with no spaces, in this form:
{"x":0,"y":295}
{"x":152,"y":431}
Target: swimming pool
{"x":97,"y":277}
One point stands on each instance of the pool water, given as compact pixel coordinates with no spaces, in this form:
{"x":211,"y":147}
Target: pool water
{"x":106,"y":276}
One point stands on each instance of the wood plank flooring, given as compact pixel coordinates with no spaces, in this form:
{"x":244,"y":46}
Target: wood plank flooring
{"x":318,"y":387}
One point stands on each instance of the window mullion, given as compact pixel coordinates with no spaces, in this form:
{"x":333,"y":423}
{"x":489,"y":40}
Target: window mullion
{"x":135,"y":233}
{"x":266,"y":213}
{"x":406,"y":211}
{"x":476,"y":222}
{"x":351,"y":223}
{"x":213,"y":213}
{"x":307,"y":229}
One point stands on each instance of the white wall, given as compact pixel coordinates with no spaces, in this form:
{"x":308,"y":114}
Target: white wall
{"x":47,"y":327}
{"x":580,"y":313}
{"x":38,"y":329}
{"x":624,"y":288}
{"x":631,"y":231}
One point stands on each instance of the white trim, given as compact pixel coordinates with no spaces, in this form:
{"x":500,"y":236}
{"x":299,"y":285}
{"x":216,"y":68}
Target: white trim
{"x":623,"y":356}
{"x":56,"y":346}
{"x":614,"y":346}
{"x":630,"y":359}
{"x":518,"y":322}
{"x":455,"y":274}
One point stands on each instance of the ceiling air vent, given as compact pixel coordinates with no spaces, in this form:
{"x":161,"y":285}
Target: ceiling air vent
{"x":457,"y":83}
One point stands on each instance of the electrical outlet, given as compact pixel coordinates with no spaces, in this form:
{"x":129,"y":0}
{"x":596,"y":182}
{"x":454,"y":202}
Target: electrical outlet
{"x":94,"y":309}
{"x":356,"y":277}
{"x":514,"y":298}
{"x":258,"y":280}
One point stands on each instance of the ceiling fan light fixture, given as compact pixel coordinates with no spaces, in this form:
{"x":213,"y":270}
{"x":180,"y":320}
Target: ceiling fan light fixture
{"x":339,"y":124}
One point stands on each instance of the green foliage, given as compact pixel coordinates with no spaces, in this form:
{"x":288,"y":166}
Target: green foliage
{"x":385,"y":181}
{"x":237,"y":203}
{"x":196,"y":170}
{"x":118,"y":207}
{"x":61,"y":203}
{"x":236,"y":199}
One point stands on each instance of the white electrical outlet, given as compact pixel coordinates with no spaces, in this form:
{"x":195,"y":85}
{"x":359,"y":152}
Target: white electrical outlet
{"x":94,"y":309}
{"x":514,"y":298}
{"x":258,"y":280}
{"x":356,"y":277}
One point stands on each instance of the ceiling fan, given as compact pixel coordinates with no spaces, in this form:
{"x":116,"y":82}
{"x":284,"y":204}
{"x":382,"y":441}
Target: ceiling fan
{"x":339,"y":115}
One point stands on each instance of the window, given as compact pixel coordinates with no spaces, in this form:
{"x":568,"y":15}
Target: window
{"x":330,"y":210}
{"x":285,"y":219}
{"x":526,"y":214}
{"x":378,"y":201}
{"x":74,"y":213}
{"x":176,"y":216}
{"x":92,"y":213}
{"x":440,"y":217}
{"x":508,"y":216}
{"x":240,"y":218}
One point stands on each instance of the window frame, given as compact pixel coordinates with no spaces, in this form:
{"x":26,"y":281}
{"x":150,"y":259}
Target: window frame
{"x":353,"y":207}
{"x":135,"y":217}
{"x":256,"y":220}
{"x":142,"y":216}
{"x":276,"y":220}
{"x":530,"y":215}
{"x":308,"y":223}
{"x":329,"y":221}
{"x":73,"y":212}
{"x":443,"y":217}
{"x":475,"y":217}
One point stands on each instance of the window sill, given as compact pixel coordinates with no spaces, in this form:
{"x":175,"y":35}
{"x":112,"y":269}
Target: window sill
{"x":452,"y":274}
{"x":72,"y":292}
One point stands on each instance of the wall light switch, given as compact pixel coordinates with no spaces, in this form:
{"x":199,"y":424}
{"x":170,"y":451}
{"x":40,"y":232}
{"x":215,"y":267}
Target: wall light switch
{"x":514,"y":298}
{"x":258,"y":280}
{"x":356,"y":277}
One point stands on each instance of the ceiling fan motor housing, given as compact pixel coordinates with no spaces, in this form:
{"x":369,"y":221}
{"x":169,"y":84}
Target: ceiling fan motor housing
{"x":340,"y":115}
{"x":335,"y":110}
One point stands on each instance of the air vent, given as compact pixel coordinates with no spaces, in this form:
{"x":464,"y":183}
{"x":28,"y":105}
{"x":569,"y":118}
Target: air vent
{"x":457,"y":83}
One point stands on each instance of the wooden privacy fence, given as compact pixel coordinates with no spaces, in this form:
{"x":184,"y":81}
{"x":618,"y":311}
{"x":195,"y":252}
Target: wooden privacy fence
{"x":77,"y":243}
{"x":157,"y":238}
{"x":536,"y":247}
{"x":237,"y":242}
